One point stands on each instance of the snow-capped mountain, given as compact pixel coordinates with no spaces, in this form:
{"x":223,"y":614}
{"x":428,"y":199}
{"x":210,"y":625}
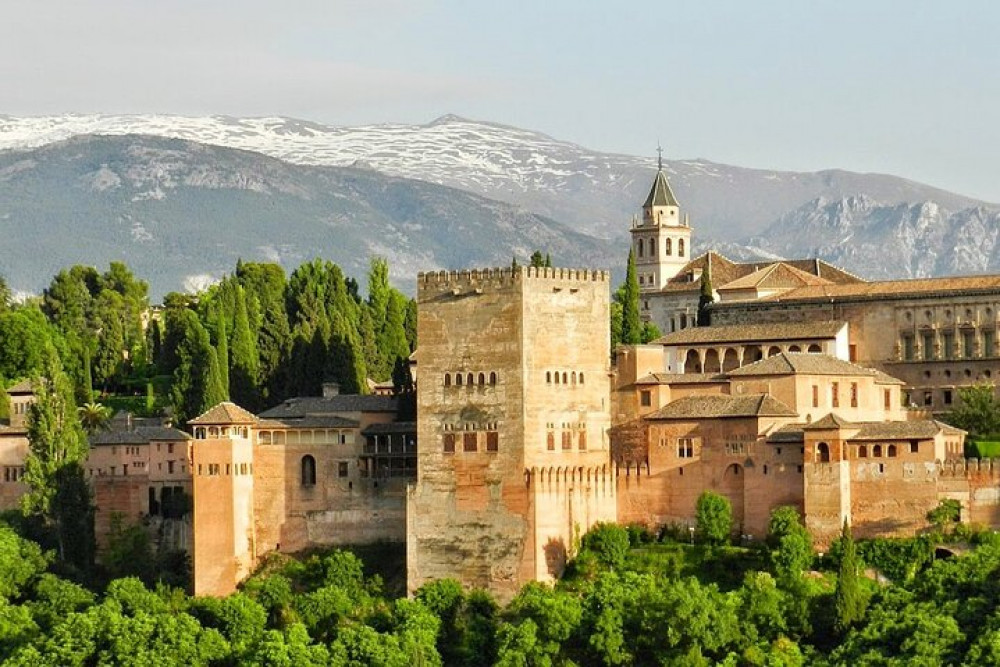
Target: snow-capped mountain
{"x":889,"y":241}
{"x":181,"y":214}
{"x":596,"y":193}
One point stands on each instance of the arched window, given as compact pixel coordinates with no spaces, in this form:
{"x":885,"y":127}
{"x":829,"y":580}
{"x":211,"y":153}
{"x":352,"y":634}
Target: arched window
{"x":823,"y":452}
{"x":482,"y":379}
{"x":814,"y":349}
{"x":581,"y":378}
{"x":308,"y":470}
{"x":668,"y":246}
{"x":572,"y":377}
{"x":877,"y":451}
{"x":892,"y":451}
{"x":564,"y":378}
{"x":863,"y":452}
{"x":470,"y":379}
{"x":458,"y":379}
{"x":652,"y":247}
{"x":680,"y":247}
{"x":557,"y":377}
{"x":447,"y":379}
{"x":642,"y":246}
{"x":493,"y":377}
{"x":548,"y":377}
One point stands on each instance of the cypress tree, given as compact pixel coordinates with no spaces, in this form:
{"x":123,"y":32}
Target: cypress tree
{"x":705,"y":298}
{"x":548,"y":261}
{"x":849,"y":600}
{"x":243,"y":359}
{"x":222,"y":351}
{"x":631,"y":324}
{"x":197,"y":384}
{"x":513,"y":262}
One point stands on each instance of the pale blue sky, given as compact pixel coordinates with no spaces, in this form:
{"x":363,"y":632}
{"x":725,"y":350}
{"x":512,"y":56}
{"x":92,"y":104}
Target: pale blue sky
{"x":909,"y":88}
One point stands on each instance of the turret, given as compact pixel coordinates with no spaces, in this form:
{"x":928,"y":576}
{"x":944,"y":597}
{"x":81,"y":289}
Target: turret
{"x":662,"y":239}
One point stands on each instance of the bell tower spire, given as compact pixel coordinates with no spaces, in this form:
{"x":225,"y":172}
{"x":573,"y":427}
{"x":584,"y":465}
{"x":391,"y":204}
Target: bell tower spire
{"x":662,"y":240}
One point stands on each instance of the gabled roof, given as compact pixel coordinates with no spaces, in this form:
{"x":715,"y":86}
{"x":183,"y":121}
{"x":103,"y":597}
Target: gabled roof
{"x":725,"y":271}
{"x":705,"y":407}
{"x":887,"y":289}
{"x":790,"y":363}
{"x":225,"y":413}
{"x":660,"y":194}
{"x":312,"y":406}
{"x":740,"y":333}
{"x":919,"y":429}
{"x":830,"y":421}
{"x":775,"y":276}
{"x":22,"y":387}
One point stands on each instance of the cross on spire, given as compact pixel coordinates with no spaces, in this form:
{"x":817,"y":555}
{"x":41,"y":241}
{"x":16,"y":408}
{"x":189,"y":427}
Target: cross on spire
{"x":659,"y":156}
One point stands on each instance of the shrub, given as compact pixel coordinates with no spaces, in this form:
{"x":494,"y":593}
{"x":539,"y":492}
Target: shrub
{"x":714,"y":517}
{"x":609,"y":543}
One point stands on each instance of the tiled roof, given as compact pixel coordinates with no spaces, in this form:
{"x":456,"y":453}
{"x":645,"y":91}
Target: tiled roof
{"x":920,"y":429}
{"x":22,"y":387}
{"x":830,"y":421}
{"x":746,"y":333}
{"x":332,"y":405}
{"x":788,"y":363}
{"x":391,"y":428}
{"x":894,"y":288}
{"x":318,"y":421}
{"x":787,"y":433}
{"x":225,"y":413}
{"x":138,"y":436}
{"x":704,"y":407}
{"x":12,"y":430}
{"x":681,"y":378}
{"x":725,"y":271}
{"x":660,"y":194}
{"x":885,"y":378}
{"x":775,"y":275}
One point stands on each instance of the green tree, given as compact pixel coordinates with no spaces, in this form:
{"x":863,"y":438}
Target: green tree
{"x":631,"y":324}
{"x":5,"y":295}
{"x":714,"y":517}
{"x":705,"y":296}
{"x":197,"y":384}
{"x":650,"y":332}
{"x":849,"y":599}
{"x":93,"y":417}
{"x":244,"y":360}
{"x":978,"y":410}
{"x":947,"y":513}
{"x":791,"y":543}
{"x":537,"y":260}
{"x":609,"y":542}
{"x":222,"y":351}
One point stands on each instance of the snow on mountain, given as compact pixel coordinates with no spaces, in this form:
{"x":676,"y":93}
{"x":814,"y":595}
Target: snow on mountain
{"x":597,"y":193}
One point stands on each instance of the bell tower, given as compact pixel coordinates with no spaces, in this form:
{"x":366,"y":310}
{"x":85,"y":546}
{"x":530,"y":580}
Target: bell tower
{"x":661,"y":240}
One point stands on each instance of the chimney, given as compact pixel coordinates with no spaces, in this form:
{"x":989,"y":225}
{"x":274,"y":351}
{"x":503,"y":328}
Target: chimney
{"x":331,"y":389}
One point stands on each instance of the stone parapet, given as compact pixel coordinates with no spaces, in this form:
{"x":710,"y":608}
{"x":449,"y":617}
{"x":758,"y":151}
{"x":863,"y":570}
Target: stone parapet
{"x":438,"y":281}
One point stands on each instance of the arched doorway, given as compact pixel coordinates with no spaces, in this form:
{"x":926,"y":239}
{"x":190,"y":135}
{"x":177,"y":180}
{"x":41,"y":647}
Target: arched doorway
{"x":712,"y":364}
{"x":732,"y":487}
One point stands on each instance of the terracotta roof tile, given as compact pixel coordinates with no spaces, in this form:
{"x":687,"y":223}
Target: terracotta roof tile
{"x":788,"y":363}
{"x":682,"y":378}
{"x":225,"y":413}
{"x":775,"y":275}
{"x":705,"y":407}
{"x":893,"y":288}
{"x":22,"y":387}
{"x":748,"y":333}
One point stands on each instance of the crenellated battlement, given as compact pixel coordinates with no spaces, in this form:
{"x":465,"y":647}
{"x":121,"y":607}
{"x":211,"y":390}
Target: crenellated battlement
{"x":964,"y":468}
{"x":502,"y":277}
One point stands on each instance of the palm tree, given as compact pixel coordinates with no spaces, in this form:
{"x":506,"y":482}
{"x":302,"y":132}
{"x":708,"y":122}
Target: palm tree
{"x":94,"y":416}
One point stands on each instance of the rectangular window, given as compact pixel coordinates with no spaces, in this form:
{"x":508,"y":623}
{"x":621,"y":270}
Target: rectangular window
{"x":947,"y":396}
{"x":170,"y":448}
{"x":854,"y":394}
{"x":469,"y":442}
{"x":685,"y":448}
{"x":928,"y":398}
{"x":582,"y":443}
{"x":567,"y":440}
{"x":988,"y":341}
{"x":968,"y":343}
{"x":449,"y":443}
{"x":928,"y":346}
{"x":492,"y":441}
{"x":835,"y":394}
{"x":908,"y":348}
{"x":342,"y":469}
{"x":645,"y":398}
{"x":914,"y":447}
{"x":948,"y":344}
{"x":170,"y":467}
{"x":887,"y":398}
{"x":550,"y":441}
{"x":815,"y":388}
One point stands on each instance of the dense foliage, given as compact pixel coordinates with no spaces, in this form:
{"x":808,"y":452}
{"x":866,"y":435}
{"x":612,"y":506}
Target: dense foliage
{"x":628,"y":599}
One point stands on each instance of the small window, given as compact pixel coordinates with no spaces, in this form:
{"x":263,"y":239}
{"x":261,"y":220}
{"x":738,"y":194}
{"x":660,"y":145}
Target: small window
{"x":342,"y":469}
{"x":469,"y":442}
{"x":685,"y":448}
{"x":914,"y":447}
{"x":550,"y":441}
{"x":567,"y":440}
{"x":458,"y":379}
{"x":469,"y":378}
{"x":863,"y":452}
{"x":447,"y":379}
{"x":928,"y":398}
{"x":170,"y":467}
{"x":891,"y":451}
{"x":482,"y":379}
{"x":668,"y":246}
{"x":877,"y":451}
{"x":492,"y":441}
{"x":582,"y":442}
{"x":815,"y":390}
{"x":680,"y":247}
{"x":799,"y":468}
{"x":581,"y":378}
{"x":493,"y":378}
{"x":646,"y":398}
{"x":557,"y":378}
{"x":565,"y":376}
{"x":449,"y":443}
{"x":823,"y":452}
{"x":765,"y":468}
{"x":835,"y":394}
{"x":777,"y":451}
{"x":308,"y":470}
{"x":854,"y":394}
{"x":947,"y":396}
{"x":887,"y":398}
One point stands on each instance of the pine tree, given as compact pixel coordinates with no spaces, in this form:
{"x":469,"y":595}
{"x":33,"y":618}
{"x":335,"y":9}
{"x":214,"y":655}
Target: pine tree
{"x":849,"y":599}
{"x":705,"y":298}
{"x":631,"y":324}
{"x":537,"y":259}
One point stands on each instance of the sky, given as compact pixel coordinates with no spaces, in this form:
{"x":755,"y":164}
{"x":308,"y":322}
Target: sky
{"x":910,"y":88}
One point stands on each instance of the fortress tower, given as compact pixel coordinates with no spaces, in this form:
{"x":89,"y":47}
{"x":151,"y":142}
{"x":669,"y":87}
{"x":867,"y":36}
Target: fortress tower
{"x":512,"y":420}
{"x":661,"y":241}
